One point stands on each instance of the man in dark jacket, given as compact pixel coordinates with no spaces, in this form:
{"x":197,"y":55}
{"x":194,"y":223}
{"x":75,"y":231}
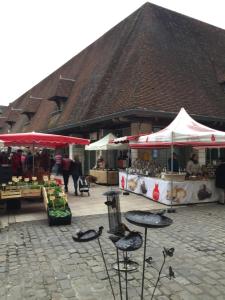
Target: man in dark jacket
{"x":220,"y":176}
{"x":66,"y":170}
{"x":174,"y":165}
{"x":76,"y":171}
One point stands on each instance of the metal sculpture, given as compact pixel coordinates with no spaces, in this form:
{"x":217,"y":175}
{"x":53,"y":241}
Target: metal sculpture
{"x":114,"y":214}
{"x":131,"y":242}
{"x":147,"y":220}
{"x":91,"y":235}
{"x":166,"y":253}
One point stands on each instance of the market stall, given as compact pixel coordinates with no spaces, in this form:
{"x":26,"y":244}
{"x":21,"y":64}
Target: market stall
{"x":182,"y":131}
{"x":15,"y":188}
{"x":40,"y":140}
{"x":159,"y":190}
{"x":37,"y":140}
{"x":102,"y":172}
{"x":49,"y":189}
{"x":170,"y":187}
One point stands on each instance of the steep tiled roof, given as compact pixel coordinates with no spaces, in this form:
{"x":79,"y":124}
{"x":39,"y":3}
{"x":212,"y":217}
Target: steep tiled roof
{"x":156,"y":60}
{"x":31,"y":105}
{"x":2,"y":123}
{"x":63,"y":89}
{"x":12,"y":118}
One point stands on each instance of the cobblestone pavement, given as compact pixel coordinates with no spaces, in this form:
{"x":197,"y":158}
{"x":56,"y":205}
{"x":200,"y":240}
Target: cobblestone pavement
{"x":42,"y":262}
{"x":80,"y":206}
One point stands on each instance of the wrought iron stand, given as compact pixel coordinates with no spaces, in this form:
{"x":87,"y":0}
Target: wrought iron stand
{"x":117,"y":228}
{"x":147,"y":220}
{"x":91,"y":235}
{"x":131,"y":242}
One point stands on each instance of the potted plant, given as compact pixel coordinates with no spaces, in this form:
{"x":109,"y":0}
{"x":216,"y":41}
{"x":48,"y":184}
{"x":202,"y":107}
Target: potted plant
{"x":58,"y":209}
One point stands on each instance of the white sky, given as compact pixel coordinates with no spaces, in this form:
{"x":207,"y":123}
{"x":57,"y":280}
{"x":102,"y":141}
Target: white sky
{"x":38,"y":36}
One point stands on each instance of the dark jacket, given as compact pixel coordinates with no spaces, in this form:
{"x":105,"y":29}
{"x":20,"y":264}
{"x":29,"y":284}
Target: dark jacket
{"x":76,"y":169}
{"x":175,"y":165}
{"x":220,"y":176}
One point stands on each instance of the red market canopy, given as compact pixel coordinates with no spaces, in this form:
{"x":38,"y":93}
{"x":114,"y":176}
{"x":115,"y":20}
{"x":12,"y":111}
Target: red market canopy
{"x":40,"y":140}
{"x":182,"y":131}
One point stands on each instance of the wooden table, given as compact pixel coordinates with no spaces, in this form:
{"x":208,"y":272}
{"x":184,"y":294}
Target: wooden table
{"x":105,"y":176}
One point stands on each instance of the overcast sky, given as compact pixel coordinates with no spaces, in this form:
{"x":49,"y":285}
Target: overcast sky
{"x":38,"y":36}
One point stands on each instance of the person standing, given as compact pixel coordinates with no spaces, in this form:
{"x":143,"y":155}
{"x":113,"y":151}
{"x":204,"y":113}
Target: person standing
{"x":16,"y":163}
{"x":66,"y":170}
{"x":29,"y":162}
{"x":58,"y":163}
{"x":100,"y":163}
{"x":45,"y":160}
{"x":220,"y":177}
{"x":175,"y":163}
{"x":193,"y":167}
{"x":76,"y":171}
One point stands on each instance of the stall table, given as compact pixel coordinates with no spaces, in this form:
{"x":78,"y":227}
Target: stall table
{"x":159,"y":190}
{"x":14,"y":195}
{"x":105,"y":176}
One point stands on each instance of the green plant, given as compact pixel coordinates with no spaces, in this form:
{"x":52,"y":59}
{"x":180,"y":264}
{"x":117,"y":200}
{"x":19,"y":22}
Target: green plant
{"x":35,"y":186}
{"x":59,"y":202}
{"x":59,"y":213}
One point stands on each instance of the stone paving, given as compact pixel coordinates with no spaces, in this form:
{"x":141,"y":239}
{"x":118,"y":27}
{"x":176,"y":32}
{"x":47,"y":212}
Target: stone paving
{"x":42,"y":262}
{"x":80,"y":206}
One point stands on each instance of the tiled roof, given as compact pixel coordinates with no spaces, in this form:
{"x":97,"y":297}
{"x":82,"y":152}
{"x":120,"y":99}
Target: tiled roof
{"x":31,"y":105}
{"x":13,"y":116}
{"x":63,"y":89}
{"x":155,"y":59}
{"x":2,"y":122}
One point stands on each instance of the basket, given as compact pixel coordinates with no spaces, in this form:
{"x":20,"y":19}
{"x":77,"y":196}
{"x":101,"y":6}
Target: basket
{"x":59,"y":220}
{"x":31,"y":193}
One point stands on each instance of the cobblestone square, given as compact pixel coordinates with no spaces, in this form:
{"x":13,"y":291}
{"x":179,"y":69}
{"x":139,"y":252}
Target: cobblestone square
{"x":42,"y":262}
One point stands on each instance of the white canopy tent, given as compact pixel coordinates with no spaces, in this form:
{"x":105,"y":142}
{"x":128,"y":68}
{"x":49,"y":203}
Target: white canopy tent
{"x":183,"y":130}
{"x":127,"y":139}
{"x":106,"y":143}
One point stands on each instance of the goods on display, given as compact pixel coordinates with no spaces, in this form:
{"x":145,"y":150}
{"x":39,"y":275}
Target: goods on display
{"x":159,"y":190}
{"x":55,"y":200}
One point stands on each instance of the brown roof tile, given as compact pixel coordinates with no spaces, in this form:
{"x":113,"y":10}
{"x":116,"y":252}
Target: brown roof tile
{"x":63,"y":89}
{"x":155,"y":59}
{"x":31,"y":105}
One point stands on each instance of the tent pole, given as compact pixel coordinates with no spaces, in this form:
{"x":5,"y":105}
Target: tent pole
{"x":171,"y":209}
{"x":128,"y":160}
{"x":107,"y":170}
{"x":33,"y":158}
{"x":89,"y":161}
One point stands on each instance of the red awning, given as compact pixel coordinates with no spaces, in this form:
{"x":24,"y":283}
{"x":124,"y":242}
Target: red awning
{"x":41,"y":140}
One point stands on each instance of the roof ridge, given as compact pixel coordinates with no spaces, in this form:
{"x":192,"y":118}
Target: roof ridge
{"x":156,"y":6}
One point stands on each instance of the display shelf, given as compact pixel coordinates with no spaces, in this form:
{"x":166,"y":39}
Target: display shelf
{"x":11,"y":194}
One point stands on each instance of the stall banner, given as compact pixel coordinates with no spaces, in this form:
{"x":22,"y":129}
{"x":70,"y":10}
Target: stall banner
{"x":160,"y":190}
